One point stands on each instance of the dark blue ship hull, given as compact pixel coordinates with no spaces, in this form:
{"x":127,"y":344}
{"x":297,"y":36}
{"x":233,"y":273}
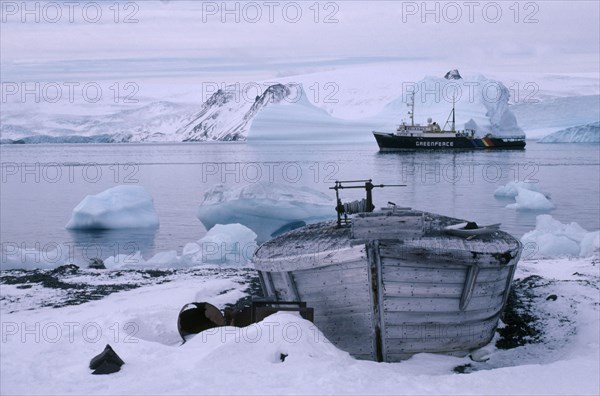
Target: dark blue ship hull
{"x":392,"y":142}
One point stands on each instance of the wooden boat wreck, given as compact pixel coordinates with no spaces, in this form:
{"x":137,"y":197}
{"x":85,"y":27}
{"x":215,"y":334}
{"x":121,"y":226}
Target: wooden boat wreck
{"x":388,"y":284}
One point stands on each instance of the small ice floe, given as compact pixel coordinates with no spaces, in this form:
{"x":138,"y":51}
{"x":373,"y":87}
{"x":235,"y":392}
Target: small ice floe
{"x":551,"y":238}
{"x":229,"y":245}
{"x":116,"y":208}
{"x":526,"y":195}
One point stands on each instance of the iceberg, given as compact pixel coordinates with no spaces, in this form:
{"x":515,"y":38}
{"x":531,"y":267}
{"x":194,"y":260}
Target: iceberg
{"x":231,"y":244}
{"x":297,"y":119}
{"x":482,"y":104}
{"x":531,"y":200}
{"x":267,"y":209}
{"x":551,"y":238}
{"x":116,"y":208}
{"x":511,"y":189}
{"x":526,"y":195}
{"x":587,"y":133}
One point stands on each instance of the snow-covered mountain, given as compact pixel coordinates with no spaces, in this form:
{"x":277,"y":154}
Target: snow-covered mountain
{"x":286,"y":111}
{"x":154,"y":121}
{"x":588,"y":133}
{"x":227,"y":116}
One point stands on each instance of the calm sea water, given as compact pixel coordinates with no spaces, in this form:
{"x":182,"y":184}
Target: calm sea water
{"x":41,"y":184}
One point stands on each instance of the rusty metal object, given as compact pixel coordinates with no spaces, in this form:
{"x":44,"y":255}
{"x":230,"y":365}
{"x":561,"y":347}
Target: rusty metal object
{"x":198,"y":316}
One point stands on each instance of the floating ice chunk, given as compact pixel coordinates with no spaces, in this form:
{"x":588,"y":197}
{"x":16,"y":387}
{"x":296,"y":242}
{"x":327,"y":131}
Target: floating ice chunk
{"x":511,"y":189}
{"x":526,"y":195}
{"x":232,"y":244}
{"x":266,"y":208}
{"x":167,"y":259}
{"x":122,"y":261}
{"x":530,"y":200}
{"x":117,"y":207}
{"x":551,"y":238}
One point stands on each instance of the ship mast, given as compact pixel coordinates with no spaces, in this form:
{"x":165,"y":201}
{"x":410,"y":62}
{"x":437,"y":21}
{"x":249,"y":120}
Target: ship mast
{"x":453,"y":123}
{"x":452,"y":114}
{"x":411,"y":104}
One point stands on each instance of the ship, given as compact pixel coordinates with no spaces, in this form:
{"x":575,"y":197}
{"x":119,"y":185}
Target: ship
{"x":387,"y":284}
{"x":411,"y":136}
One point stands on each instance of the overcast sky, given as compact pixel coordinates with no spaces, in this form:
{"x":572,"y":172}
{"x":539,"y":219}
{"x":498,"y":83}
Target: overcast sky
{"x":61,"y":40}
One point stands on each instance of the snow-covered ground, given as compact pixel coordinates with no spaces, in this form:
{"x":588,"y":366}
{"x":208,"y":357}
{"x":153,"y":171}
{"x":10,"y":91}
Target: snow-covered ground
{"x":54,"y":322}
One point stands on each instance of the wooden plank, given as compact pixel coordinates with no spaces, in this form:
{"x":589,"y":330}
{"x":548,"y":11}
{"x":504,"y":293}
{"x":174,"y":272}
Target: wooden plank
{"x":332,"y":279}
{"x":422,"y":275}
{"x":412,"y":331}
{"x":387,"y":227}
{"x":363,"y":356}
{"x":347,"y":265}
{"x":360,"y":303}
{"x":433,"y":275}
{"x":411,"y":304}
{"x":311,"y":257}
{"x":340,"y":311}
{"x":444,"y":254}
{"x":401,"y":318}
{"x":439,"y":345}
{"x":437,"y":290}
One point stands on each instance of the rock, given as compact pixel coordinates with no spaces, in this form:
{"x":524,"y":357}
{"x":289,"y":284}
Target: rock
{"x":68,"y":269}
{"x":107,"y":362}
{"x":96,"y":263}
{"x":453,"y":75}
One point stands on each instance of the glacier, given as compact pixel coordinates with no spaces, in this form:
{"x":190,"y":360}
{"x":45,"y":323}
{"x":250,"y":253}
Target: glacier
{"x":542,"y":117}
{"x":268,"y":209}
{"x":116,"y":208}
{"x":282,"y":111}
{"x":587,"y":133}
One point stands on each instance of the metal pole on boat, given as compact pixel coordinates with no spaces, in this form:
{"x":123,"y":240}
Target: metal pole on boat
{"x":369,"y":186}
{"x":453,"y":113}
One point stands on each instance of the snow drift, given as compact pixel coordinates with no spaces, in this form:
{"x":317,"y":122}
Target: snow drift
{"x":267,"y":209}
{"x":116,"y":208}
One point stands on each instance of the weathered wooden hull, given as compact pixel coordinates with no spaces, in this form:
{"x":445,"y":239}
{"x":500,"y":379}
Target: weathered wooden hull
{"x":394,"y":285}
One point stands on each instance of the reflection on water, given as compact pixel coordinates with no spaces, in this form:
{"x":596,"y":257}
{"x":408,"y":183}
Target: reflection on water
{"x":89,"y":244}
